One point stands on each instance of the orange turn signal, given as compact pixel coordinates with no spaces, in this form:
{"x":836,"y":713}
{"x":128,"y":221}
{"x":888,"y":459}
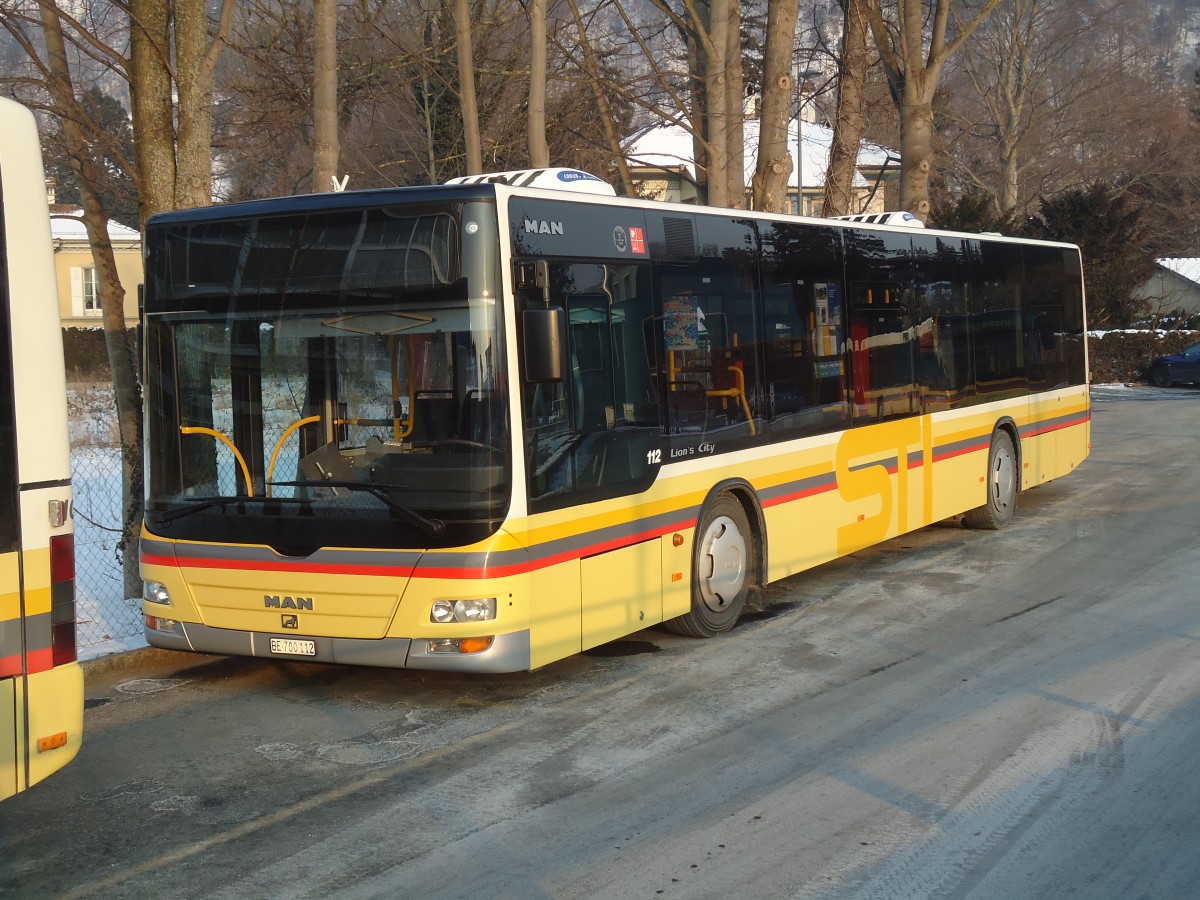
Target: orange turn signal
{"x":53,"y":742}
{"x":476,"y":645}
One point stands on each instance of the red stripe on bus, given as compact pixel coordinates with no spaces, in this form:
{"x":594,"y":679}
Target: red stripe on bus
{"x":543,"y":562}
{"x":443,"y":572}
{"x":1060,"y":426}
{"x":800,"y":495}
{"x":39,"y":660}
{"x":185,"y":562}
{"x":10,"y":665}
{"x":962,"y":451}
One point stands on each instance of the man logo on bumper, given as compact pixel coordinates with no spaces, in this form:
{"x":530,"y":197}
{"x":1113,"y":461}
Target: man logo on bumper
{"x":277,"y":602}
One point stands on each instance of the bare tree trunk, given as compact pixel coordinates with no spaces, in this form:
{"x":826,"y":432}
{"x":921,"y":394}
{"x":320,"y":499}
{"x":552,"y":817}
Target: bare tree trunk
{"x":1010,"y":173}
{"x":539,"y":151}
{"x":606,"y":119}
{"x":473,"y":142}
{"x":735,"y":112}
{"x":174,"y":170}
{"x":153,"y":106}
{"x":117,"y":339}
{"x":713,"y":37}
{"x":698,"y":118}
{"x":916,"y":152}
{"x":851,"y":111}
{"x":914,"y":61}
{"x":769,"y":186}
{"x":195,"y":65}
{"x":194,"y":151}
{"x":325,"y":94}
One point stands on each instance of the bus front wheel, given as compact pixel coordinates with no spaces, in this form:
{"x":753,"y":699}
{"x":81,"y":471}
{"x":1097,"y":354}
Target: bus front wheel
{"x":1001,"y":486}
{"x":721,"y":570}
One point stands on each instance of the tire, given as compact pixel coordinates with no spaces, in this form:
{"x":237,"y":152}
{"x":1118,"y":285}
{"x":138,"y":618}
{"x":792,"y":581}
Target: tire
{"x":1160,"y":376}
{"x":1002,"y":480}
{"x":721,"y":570}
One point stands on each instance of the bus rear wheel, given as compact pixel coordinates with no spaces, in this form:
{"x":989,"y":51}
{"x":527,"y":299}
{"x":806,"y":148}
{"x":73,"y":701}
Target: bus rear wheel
{"x":721,"y":570}
{"x":1001,"y":486}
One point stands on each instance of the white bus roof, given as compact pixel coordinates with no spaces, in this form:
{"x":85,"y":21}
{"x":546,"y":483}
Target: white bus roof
{"x":548,"y":179}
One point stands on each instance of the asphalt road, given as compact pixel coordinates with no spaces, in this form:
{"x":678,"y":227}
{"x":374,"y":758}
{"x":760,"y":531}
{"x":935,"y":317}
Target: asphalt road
{"x":955,"y":714}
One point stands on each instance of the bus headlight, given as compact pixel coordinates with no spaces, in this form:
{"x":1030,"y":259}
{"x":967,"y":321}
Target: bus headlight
{"x":156,"y":592}
{"x":481,"y":610}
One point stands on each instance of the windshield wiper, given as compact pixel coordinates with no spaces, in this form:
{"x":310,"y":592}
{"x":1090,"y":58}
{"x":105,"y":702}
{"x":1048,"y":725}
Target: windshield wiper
{"x":432,"y":527}
{"x":198,"y":504}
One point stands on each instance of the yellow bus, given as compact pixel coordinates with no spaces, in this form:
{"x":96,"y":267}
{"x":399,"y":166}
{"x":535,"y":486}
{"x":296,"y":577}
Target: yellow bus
{"x":41,"y":683}
{"x":486,"y":425}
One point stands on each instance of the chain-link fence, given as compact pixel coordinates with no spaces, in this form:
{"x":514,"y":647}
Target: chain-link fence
{"x":103,"y":614}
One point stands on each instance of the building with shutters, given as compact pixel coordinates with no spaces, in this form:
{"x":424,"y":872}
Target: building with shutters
{"x":78,"y":301}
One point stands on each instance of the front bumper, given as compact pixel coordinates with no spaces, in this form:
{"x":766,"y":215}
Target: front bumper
{"x":508,"y":653}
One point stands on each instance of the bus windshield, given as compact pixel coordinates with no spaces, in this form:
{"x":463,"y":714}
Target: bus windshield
{"x":333,"y":378}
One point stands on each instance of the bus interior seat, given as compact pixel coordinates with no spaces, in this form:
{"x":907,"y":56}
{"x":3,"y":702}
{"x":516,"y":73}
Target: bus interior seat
{"x":481,"y":418}
{"x":435,"y":416}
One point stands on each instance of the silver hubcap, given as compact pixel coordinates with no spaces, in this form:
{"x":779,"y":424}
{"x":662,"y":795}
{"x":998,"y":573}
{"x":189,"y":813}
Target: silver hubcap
{"x":1004,"y":474}
{"x":721,"y":563}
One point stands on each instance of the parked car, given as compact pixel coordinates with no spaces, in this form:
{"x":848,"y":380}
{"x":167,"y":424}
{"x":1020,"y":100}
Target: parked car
{"x":1167,"y":370}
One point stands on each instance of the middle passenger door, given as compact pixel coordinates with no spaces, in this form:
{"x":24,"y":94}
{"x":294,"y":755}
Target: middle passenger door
{"x":595,"y":437}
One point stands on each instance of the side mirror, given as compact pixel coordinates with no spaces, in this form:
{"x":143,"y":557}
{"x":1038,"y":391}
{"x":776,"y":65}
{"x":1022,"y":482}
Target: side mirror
{"x":545,"y":333}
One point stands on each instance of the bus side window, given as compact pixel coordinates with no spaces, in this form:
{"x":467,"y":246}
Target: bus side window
{"x":803,"y":328}
{"x":997,"y":305}
{"x":788,"y":351}
{"x":881,"y":334}
{"x":592,"y":434}
{"x":945,"y":362}
{"x":712,"y":337}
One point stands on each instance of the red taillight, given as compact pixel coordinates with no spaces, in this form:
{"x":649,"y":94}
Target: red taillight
{"x":62,"y":598}
{"x":62,"y":558}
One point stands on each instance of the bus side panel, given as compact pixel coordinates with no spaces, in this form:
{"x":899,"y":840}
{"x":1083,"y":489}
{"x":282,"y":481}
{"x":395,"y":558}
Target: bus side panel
{"x":621,"y":592}
{"x":885,"y":480}
{"x":1054,"y":440}
{"x":676,"y":580}
{"x":54,"y":709}
{"x":1075,"y":441}
{"x":555,"y":608}
{"x":49,"y":697}
{"x":11,"y":737}
{"x":53,"y":694}
{"x":799,"y":506}
{"x":961,"y":441}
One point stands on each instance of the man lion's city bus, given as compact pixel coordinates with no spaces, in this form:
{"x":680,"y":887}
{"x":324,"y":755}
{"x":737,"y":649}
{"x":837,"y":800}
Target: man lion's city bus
{"x":486,"y":425}
{"x":41,"y":683}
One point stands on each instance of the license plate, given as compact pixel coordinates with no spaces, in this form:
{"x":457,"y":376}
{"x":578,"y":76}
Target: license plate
{"x":293,"y":647}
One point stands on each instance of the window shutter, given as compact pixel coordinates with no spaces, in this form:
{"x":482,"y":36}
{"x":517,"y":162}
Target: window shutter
{"x":76,"y":291}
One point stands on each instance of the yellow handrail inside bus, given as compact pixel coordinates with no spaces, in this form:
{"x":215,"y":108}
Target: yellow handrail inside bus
{"x":310,"y":420}
{"x":196,"y":429}
{"x":279,"y":446}
{"x":738,"y":392}
{"x":397,"y":422}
